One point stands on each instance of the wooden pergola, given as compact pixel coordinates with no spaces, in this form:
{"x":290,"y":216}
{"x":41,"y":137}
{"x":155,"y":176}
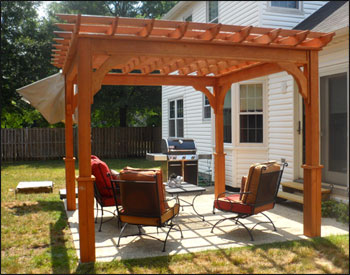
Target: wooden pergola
{"x":98,"y":50}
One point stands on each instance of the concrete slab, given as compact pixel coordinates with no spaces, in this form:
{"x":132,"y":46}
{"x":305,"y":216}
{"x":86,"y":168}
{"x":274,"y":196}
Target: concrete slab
{"x":196,"y":233}
{"x":34,"y":187}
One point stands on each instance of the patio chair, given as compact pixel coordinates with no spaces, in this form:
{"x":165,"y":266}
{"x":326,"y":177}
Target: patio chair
{"x":103,"y":188}
{"x":258,"y":194}
{"x":143,"y":202}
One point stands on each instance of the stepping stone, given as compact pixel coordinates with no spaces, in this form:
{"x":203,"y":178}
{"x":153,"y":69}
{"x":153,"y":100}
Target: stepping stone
{"x":63,"y":193}
{"x":34,"y":187}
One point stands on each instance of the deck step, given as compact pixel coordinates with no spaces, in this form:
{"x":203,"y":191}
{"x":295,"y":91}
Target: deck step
{"x":291,"y":196}
{"x":300,"y":186}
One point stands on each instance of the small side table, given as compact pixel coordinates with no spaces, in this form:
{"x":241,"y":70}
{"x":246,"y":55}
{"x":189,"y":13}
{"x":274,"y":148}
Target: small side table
{"x":34,"y":187}
{"x":185,"y":188}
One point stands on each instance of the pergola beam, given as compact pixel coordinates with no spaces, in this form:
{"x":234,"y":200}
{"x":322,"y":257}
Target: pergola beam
{"x":250,"y":73}
{"x":182,"y":49}
{"x":157,"y":80}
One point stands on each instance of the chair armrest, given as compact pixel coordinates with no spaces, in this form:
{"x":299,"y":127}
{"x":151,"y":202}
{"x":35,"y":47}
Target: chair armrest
{"x":232,"y":193}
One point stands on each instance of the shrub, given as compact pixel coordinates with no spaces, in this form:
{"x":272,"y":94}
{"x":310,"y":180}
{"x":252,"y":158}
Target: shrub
{"x":335,"y":209}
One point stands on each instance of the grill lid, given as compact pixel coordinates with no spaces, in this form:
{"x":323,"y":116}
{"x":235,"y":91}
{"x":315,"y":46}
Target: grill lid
{"x":179,"y":146}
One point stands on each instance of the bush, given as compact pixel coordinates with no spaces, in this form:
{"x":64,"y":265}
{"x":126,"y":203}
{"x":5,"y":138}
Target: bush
{"x":335,"y":209}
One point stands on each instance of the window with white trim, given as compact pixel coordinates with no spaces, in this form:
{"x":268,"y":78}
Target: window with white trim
{"x":206,"y":108}
{"x":251,"y":113}
{"x":289,"y":7}
{"x":213,"y":11}
{"x":227,"y":114}
{"x":176,"y":118}
{"x":285,"y":4}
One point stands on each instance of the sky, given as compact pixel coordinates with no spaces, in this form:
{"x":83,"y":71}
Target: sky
{"x":42,"y":8}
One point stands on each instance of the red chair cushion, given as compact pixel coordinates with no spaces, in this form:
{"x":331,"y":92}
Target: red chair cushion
{"x":94,"y":157}
{"x":100,"y":169}
{"x":232,"y":203}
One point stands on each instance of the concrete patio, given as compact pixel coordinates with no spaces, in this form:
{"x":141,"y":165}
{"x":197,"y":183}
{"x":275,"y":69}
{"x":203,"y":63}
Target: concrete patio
{"x":288,"y":219}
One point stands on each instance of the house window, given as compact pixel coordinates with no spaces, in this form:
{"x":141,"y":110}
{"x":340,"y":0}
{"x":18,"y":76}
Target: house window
{"x":206,"y":108}
{"x":176,"y":118}
{"x":285,"y":4}
{"x":213,"y":11}
{"x":251,"y":113}
{"x":227,"y":118}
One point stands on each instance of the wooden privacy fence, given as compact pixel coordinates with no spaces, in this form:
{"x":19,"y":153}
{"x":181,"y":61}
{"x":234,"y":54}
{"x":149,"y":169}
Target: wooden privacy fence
{"x":49,"y":143}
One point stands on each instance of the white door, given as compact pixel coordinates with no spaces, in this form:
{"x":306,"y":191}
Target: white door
{"x":333,"y":103}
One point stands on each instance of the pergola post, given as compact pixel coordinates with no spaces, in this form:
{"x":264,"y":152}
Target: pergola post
{"x":85,"y":180}
{"x":219,"y":155}
{"x":312,"y":168}
{"x":69,"y":159}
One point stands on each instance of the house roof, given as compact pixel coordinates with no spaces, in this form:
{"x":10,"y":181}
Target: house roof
{"x":130,"y":30}
{"x":326,"y":13}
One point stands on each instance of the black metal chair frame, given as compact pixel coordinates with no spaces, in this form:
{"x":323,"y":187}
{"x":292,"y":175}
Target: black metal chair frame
{"x":99,"y":201}
{"x":169,"y":223}
{"x":264,"y":182}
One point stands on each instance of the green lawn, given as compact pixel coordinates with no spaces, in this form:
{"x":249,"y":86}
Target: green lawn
{"x":35,"y":237}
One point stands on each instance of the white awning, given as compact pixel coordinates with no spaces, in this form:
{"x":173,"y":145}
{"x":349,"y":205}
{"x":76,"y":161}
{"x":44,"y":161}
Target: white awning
{"x":47,"y":96}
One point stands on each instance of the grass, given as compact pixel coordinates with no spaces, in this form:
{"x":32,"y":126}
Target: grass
{"x":35,"y":237}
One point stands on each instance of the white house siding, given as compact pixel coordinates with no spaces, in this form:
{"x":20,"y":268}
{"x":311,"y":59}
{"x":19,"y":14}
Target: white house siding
{"x":269,"y":18}
{"x":229,"y":160}
{"x":280,"y":116}
{"x":281,"y":121}
{"x":335,"y":55}
{"x":239,"y":13}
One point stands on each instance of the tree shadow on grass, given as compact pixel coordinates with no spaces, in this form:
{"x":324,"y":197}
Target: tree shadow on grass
{"x":323,"y":248}
{"x":131,"y":266}
{"x":60,"y":259}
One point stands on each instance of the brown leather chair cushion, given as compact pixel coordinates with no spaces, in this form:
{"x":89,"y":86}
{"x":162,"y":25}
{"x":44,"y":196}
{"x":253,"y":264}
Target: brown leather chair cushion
{"x":135,"y":174}
{"x":253,"y":179}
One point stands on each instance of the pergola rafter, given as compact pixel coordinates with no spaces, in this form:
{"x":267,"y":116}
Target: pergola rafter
{"x":95,"y":50}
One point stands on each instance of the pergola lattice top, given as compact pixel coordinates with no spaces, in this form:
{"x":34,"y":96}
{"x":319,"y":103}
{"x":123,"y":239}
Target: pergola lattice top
{"x":161,"y":30}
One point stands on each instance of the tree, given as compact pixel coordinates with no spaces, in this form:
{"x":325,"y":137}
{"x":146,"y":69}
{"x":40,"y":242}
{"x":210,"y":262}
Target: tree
{"x":122,"y":105}
{"x":25,"y":58}
{"x":26,"y":44}
{"x":156,"y":9}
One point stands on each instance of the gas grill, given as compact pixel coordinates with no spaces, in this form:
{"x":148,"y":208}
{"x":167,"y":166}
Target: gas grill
{"x":182,"y":158}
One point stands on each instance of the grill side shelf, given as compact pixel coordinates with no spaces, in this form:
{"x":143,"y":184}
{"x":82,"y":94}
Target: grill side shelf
{"x":156,"y":157}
